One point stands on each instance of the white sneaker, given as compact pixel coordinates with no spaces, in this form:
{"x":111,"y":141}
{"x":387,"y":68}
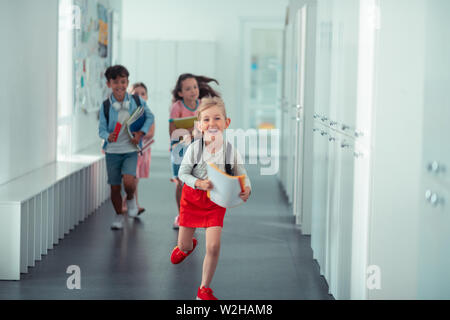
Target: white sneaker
{"x":133,"y":210}
{"x":118,"y":222}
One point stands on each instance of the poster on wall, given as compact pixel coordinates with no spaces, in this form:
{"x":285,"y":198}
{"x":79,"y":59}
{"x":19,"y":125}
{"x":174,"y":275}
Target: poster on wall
{"x":90,"y":56}
{"x":103,"y":31}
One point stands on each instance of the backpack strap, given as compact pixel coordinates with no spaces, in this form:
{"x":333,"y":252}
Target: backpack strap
{"x":228,"y":157}
{"x":107,"y":106}
{"x":137,"y":100}
{"x":228,"y":168}
{"x":199,"y":154}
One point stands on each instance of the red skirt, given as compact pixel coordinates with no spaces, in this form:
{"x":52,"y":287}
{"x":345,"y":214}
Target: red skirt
{"x":198,"y":211}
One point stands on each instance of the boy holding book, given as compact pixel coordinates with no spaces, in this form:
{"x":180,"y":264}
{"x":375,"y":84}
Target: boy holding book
{"x":121,"y":151}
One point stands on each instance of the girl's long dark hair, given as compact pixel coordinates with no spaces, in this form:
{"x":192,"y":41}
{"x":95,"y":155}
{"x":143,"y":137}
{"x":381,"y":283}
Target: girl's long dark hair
{"x":203,"y":86}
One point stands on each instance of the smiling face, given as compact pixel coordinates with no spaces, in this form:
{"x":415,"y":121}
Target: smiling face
{"x":119,"y":87}
{"x":189,"y":90}
{"x":212,"y":122}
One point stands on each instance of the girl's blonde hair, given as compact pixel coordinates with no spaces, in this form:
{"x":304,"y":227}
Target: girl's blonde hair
{"x":209,"y":102}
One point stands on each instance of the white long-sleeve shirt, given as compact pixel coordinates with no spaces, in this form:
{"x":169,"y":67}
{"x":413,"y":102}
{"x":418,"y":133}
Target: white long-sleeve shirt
{"x":189,"y":175}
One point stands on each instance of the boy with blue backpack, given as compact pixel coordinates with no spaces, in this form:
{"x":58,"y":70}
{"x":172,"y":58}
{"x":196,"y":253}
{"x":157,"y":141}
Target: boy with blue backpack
{"x":121,"y":151}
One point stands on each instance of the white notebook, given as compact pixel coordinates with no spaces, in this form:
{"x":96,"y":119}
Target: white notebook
{"x":226,"y":188}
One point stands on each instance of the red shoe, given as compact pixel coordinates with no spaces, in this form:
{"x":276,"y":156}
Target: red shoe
{"x":205,"y":294}
{"x":178,"y":255}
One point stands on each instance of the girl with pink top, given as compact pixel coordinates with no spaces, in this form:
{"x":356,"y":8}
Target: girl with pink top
{"x":188,"y":92}
{"x":144,"y":158}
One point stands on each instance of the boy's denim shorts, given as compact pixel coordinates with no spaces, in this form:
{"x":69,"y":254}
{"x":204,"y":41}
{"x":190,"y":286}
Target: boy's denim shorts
{"x":118,"y":164}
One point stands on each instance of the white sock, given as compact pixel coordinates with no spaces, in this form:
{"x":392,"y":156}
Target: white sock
{"x":131,"y":204}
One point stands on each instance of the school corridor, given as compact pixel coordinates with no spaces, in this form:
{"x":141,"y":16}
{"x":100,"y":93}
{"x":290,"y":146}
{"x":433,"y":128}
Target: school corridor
{"x":340,"y":109}
{"x":262,"y":252}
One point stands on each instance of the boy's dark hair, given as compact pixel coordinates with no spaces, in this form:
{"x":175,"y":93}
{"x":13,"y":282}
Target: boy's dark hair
{"x":203,"y":86}
{"x":116,"y":71}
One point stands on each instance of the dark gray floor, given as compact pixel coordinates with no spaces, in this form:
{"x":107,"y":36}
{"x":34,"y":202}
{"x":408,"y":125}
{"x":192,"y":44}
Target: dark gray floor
{"x":263,"y":254}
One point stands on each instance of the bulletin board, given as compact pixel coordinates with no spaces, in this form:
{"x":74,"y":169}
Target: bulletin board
{"x":91,"y":55}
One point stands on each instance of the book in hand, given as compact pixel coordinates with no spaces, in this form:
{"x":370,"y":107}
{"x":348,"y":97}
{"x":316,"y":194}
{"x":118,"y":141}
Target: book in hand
{"x":226,"y":188}
{"x":184,"y":123}
{"x":135,"y":122}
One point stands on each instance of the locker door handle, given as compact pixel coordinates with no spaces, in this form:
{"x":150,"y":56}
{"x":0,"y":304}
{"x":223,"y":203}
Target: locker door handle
{"x":358,"y":154}
{"x":435,"y":167}
{"x":299,"y":112}
{"x":433,"y":198}
{"x":359,"y":134}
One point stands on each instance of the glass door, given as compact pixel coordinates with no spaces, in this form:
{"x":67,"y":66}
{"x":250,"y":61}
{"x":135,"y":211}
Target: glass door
{"x":262,"y":71}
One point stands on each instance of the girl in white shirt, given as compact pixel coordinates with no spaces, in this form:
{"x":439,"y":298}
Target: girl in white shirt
{"x":196,"y":209}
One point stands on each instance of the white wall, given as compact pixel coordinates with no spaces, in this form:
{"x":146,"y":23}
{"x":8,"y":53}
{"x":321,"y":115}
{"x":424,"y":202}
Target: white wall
{"x":28,"y":32}
{"x":204,"y":20}
{"x":158,"y":63}
{"x":397,"y":143}
{"x":85,"y":125}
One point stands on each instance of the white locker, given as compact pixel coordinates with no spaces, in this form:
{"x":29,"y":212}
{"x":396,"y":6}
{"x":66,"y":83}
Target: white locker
{"x":319,"y":208}
{"x":321,"y":144}
{"x":291,"y":114}
{"x":336,"y":92}
{"x":345,"y":216}
{"x":332,"y":201}
{"x":381,"y":169}
{"x":299,"y":119}
{"x":363,"y":147}
{"x":397,"y":126}
{"x":286,"y":145}
{"x":434,"y":217}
